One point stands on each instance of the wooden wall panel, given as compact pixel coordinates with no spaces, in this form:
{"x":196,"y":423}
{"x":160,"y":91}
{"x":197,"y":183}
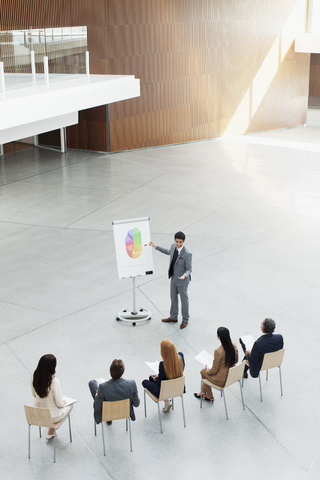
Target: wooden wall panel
{"x":197,"y":61}
{"x":90,"y":133}
{"x":18,"y":14}
{"x":314,"y":88}
{"x":207,"y":68}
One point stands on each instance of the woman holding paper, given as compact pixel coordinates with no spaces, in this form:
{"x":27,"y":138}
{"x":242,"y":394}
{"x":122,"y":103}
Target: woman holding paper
{"x":45,"y":388}
{"x":225,"y":357}
{"x":172,"y":366}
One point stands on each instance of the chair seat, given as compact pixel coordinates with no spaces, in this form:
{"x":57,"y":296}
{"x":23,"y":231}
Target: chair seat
{"x":58,"y":424}
{"x":169,"y":390}
{"x":235,"y":374}
{"x":154,"y":398}
{"x":270,"y":360}
{"x":210,"y":384}
{"x":41,"y":417}
{"x":115,"y":410}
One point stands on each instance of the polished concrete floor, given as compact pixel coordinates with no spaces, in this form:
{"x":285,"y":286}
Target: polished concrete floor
{"x":250,"y":208}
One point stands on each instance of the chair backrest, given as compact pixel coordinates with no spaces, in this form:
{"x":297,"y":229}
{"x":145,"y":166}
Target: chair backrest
{"x":272,"y":359}
{"x":172,"y":388}
{"x":235,"y":374}
{"x":115,"y":410}
{"x":38,"y":416}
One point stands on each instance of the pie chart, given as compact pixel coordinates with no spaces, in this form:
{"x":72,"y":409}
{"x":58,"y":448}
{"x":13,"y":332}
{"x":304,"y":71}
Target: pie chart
{"x":133,"y":243}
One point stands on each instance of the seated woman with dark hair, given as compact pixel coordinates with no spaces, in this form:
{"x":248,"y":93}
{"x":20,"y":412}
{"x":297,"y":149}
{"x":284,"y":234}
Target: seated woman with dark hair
{"x":172,"y":366}
{"x":45,"y":388}
{"x":225,"y":357}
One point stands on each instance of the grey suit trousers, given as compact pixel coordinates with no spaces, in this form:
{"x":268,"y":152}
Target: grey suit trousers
{"x":175,"y":291}
{"x":183,"y":266}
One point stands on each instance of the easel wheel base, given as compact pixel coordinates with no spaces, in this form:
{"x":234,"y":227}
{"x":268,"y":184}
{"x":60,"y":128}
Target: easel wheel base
{"x":134,"y":317}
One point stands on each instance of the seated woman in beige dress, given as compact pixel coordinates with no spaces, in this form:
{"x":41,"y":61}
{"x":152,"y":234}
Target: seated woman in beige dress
{"x":225,"y":357}
{"x":45,"y":388}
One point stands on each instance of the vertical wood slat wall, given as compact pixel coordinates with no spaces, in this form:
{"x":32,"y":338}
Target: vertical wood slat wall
{"x":199,"y":62}
{"x":314,"y":86}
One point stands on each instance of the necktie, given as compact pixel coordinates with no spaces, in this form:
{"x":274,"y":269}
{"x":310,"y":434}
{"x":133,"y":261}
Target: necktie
{"x":174,"y":258}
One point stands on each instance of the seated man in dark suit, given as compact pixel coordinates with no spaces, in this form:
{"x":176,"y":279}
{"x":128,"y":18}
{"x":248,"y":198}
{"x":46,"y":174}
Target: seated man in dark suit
{"x":268,"y":342}
{"x":116,"y":388}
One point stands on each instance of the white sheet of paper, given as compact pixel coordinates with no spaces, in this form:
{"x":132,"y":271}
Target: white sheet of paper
{"x":248,"y":340}
{"x":68,"y":400}
{"x":100,"y":380}
{"x":154,"y":366}
{"x":205,"y":358}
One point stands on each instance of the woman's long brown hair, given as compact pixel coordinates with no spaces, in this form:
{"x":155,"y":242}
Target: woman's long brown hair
{"x":172,"y":362}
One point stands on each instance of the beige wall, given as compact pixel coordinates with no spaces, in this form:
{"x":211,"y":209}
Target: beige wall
{"x":207,"y":68}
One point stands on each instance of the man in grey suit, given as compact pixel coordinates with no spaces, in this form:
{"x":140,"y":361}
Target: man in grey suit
{"x":180,"y":267}
{"x":116,"y":388}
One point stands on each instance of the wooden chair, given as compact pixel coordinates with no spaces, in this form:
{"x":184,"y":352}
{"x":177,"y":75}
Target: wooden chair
{"x":116,"y":410}
{"x":235,"y":374}
{"x":272,"y":360}
{"x":169,"y":390}
{"x":41,"y":417}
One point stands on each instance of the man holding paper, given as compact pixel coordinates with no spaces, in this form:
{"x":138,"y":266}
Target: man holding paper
{"x":268,"y":342}
{"x":116,"y":388}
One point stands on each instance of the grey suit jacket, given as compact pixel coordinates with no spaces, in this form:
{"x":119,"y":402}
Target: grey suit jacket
{"x":116,"y":390}
{"x":183,"y":265}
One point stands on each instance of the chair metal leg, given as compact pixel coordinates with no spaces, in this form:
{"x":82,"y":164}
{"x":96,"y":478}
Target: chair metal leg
{"x":40,"y":432}
{"x":225,"y":403}
{"x":201,"y":394}
{"x":129,"y":421}
{"x":104,"y":445}
{"x":172,"y":403}
{"x":126,"y":424}
{"x":184,"y":417}
{"x":241,"y":394}
{"x":160,"y":418}
{"x":260,"y":388}
{"x":280,"y":381}
{"x":70,"y":428}
{"x":145,"y":406}
{"x":95,"y":427}
{"x":29,"y":427}
{"x":267,"y":375}
{"x":55,"y":447}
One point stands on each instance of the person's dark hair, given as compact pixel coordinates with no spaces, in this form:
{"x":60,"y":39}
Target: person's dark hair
{"x":117,"y":369}
{"x":268,"y":325}
{"x":180,"y":235}
{"x":43,"y":374}
{"x":230,"y":353}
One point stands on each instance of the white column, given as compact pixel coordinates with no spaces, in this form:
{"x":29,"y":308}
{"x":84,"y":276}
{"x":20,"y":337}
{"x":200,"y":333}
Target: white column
{"x":33,"y":65}
{"x":2,"y":84}
{"x":87,"y":63}
{"x":46,"y":69}
{"x":63,"y":139}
